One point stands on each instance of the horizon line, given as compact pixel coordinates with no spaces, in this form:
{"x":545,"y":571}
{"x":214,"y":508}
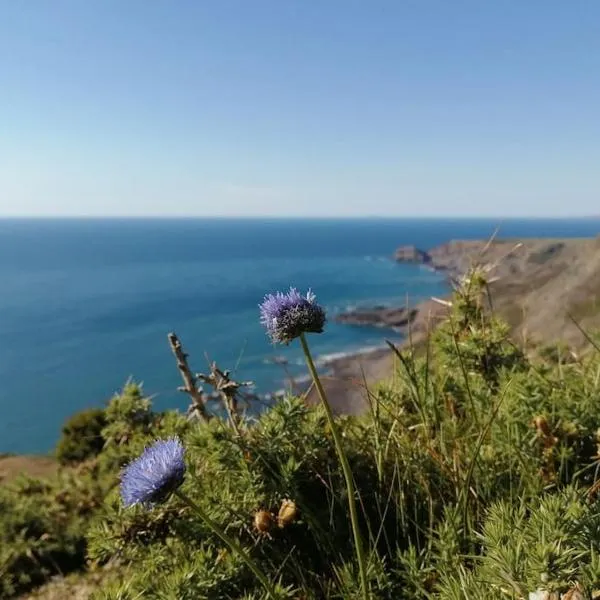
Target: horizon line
{"x":293,"y":217}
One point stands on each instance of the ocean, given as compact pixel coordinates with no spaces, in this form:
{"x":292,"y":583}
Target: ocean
{"x":88,"y":303}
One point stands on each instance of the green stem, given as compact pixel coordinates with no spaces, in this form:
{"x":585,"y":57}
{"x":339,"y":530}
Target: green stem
{"x":360,"y":555}
{"x":235,"y":547}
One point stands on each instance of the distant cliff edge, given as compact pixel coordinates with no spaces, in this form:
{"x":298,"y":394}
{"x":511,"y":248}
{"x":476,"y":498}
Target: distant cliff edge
{"x":537,"y":285}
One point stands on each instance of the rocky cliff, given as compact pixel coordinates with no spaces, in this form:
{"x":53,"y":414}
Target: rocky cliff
{"x":538,"y":285}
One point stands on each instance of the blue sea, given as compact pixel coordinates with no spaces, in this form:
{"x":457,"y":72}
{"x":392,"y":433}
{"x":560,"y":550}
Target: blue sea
{"x":86,"y":304}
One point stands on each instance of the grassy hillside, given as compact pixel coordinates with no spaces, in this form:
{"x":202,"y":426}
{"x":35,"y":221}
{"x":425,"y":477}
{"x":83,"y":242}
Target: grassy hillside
{"x":475,"y":471}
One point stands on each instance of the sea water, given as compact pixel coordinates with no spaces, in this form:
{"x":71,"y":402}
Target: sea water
{"x":86,"y":304}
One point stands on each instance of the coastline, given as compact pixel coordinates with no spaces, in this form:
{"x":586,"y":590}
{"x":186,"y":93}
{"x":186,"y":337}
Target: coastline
{"x":537,"y":285}
{"x":348,"y":378}
{"x":349,"y":375}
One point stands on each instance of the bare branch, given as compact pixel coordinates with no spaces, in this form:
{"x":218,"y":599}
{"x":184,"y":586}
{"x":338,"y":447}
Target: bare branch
{"x":191,"y":388}
{"x":228,"y":389}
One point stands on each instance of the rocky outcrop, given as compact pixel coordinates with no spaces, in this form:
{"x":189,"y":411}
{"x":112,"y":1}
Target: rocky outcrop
{"x":411,"y":254}
{"x":535,"y":285}
{"x":378,"y":316}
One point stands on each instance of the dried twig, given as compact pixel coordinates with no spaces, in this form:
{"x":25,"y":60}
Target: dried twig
{"x":228,"y":389}
{"x":198,"y":406}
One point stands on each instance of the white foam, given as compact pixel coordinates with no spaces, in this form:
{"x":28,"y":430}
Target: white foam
{"x":326,"y":359}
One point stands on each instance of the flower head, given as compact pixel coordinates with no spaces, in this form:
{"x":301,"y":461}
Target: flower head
{"x":287,"y":316}
{"x":151,"y":477}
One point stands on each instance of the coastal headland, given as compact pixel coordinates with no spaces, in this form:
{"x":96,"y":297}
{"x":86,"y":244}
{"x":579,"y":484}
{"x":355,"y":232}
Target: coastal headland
{"x":547,"y":290}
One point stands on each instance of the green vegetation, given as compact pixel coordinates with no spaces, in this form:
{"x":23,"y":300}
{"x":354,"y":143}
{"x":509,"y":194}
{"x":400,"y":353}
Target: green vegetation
{"x":475,"y":473}
{"x":44,"y":522}
{"x":81,"y":436}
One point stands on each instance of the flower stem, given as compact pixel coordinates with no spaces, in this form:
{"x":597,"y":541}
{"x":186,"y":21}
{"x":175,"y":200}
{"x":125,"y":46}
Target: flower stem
{"x":360,"y":555}
{"x":235,"y":547}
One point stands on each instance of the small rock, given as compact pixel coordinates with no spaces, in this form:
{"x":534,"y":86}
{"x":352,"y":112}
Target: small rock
{"x":411,"y":254}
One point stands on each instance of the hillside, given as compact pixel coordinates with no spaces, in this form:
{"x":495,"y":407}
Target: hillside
{"x":535,"y":285}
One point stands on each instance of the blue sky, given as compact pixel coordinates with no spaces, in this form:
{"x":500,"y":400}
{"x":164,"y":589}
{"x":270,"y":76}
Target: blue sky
{"x":300,"y":107}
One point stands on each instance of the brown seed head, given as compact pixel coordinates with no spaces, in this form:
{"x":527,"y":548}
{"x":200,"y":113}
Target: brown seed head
{"x":288,"y":511}
{"x":263,"y":521}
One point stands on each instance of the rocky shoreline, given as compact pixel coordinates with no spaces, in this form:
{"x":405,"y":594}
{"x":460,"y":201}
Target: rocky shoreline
{"x":401,"y":317}
{"x":347,"y":379}
{"x":378,"y":316}
{"x":506,"y":258}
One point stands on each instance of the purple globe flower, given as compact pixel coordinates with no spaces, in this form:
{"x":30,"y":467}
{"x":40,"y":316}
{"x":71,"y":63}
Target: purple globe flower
{"x":287,"y":316}
{"x":151,"y":477}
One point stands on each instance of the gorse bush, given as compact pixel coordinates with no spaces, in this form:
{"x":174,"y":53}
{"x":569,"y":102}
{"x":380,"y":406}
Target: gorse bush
{"x":474,"y":476}
{"x":43,"y":523}
{"x":42,"y":527}
{"x":81,"y":436}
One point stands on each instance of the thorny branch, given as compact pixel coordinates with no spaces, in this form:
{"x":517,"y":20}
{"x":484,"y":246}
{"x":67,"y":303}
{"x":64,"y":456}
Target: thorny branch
{"x":228,"y":391}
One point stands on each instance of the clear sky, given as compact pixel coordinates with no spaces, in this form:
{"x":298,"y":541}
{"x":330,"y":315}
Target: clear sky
{"x":300,"y":107}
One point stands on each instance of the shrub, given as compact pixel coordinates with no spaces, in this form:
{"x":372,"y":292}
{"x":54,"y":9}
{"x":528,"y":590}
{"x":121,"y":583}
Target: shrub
{"x":42,"y":528}
{"x":81,"y":436}
{"x":43,"y":523}
{"x":461,"y":445}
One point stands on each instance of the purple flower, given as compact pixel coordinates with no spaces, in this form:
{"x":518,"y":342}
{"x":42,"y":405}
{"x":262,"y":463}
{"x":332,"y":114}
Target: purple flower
{"x":151,"y":477}
{"x":286,"y":316}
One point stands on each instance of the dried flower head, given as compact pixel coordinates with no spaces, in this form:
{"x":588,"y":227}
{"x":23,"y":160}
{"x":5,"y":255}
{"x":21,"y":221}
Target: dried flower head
{"x":288,"y":512}
{"x":263,"y":521}
{"x":287,"y":316}
{"x":151,"y":477}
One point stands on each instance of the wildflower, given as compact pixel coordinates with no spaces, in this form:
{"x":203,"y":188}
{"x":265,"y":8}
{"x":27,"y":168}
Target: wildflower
{"x":287,"y":316}
{"x":150,"y":478}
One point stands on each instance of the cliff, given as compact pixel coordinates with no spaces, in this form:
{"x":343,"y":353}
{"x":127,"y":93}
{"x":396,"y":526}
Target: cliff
{"x":538,"y":286}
